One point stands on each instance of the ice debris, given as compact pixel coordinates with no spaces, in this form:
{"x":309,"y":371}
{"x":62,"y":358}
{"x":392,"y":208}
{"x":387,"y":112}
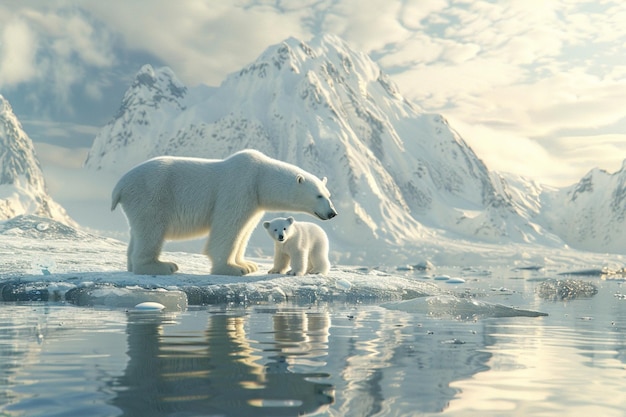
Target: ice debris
{"x":128,"y":297}
{"x":566,"y":289}
{"x":450,"y":306}
{"x":149,"y":306}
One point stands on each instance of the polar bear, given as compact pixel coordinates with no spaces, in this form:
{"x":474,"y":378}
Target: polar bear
{"x":177,"y":198}
{"x":303,"y":244}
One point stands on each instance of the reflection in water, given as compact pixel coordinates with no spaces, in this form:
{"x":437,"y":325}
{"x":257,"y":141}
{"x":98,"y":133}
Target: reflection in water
{"x":388,"y":360}
{"x":219,"y":374}
{"x":330,"y":360}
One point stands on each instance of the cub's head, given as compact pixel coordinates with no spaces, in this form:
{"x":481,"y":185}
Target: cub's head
{"x":313,"y":193}
{"x":280,"y":229}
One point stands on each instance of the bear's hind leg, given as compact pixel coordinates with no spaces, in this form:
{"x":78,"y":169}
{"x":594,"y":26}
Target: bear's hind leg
{"x":129,"y":254}
{"x":144,"y":253}
{"x":298,"y":264}
{"x":318,"y":260}
{"x":156,"y":268}
{"x":321,"y":266}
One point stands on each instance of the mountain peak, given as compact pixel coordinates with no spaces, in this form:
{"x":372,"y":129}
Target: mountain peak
{"x":326,"y":58}
{"x":22,"y":185}
{"x":399,"y":175}
{"x":153,"y":91}
{"x":153,"y":88}
{"x":18,"y":159}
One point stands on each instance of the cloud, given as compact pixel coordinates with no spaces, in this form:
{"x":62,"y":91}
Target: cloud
{"x":200,"y":41}
{"x":505,"y":150}
{"x":585,"y":152}
{"x":415,"y":14}
{"x":55,"y":48}
{"x":18,"y":47}
{"x":512,"y":76}
{"x":363,"y":28}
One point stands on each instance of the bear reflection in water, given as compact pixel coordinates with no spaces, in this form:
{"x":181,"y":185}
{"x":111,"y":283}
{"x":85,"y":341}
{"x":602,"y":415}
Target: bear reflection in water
{"x":222,"y":373}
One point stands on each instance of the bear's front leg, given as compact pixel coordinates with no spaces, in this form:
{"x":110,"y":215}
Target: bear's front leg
{"x":241,"y":243}
{"x":281,"y":262}
{"x":248,"y":266}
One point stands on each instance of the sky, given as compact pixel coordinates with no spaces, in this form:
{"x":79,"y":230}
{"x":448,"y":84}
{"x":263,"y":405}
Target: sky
{"x":535,"y":87}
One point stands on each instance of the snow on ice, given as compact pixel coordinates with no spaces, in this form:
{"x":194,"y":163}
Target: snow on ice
{"x":48,"y":261}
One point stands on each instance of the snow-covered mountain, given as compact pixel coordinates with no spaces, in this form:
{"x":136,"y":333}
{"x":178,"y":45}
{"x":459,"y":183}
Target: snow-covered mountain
{"x":22,"y":185}
{"x":399,"y":176}
{"x":591,"y":214}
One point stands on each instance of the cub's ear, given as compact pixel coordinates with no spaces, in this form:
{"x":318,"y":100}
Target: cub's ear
{"x":300,"y":178}
{"x":324,"y":180}
{"x":290,"y":220}
{"x":266,"y":225}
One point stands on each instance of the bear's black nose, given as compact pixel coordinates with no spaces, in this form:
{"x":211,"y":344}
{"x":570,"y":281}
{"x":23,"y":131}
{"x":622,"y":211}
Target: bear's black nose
{"x":332,"y":214}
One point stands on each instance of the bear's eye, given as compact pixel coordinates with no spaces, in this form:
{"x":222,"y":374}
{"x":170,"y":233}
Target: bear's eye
{"x":284,"y":229}
{"x":320,"y":196}
{"x":276,"y":230}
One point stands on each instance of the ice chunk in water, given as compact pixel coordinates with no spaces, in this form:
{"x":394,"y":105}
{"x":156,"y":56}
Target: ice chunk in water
{"x":566,"y":289}
{"x":128,"y":297}
{"x":460,"y":308}
{"x":149,"y":306}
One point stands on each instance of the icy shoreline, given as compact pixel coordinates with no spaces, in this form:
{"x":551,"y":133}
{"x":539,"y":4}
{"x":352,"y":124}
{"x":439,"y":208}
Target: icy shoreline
{"x":94,"y":288}
{"x":45,"y":261}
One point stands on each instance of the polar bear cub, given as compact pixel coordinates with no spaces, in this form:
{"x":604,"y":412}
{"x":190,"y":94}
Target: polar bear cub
{"x":304,"y":245}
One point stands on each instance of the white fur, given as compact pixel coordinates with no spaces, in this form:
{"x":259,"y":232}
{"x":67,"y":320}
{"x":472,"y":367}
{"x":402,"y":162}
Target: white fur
{"x":304,"y":245}
{"x":178,"y":198}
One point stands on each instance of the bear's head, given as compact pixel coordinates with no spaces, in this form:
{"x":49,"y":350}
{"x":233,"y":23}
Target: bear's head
{"x":312,"y":192}
{"x":280,"y":228}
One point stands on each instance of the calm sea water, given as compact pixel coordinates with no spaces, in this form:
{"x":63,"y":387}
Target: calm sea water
{"x":323,"y":359}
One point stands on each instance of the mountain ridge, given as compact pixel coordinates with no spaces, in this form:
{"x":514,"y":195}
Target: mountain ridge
{"x":400,"y":176}
{"x":22,"y":185}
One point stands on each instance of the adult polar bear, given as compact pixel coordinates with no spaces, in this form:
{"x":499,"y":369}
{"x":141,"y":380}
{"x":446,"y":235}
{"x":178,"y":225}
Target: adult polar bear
{"x":178,"y":198}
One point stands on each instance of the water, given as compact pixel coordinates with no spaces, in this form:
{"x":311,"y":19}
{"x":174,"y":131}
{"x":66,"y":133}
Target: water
{"x":325,"y":359}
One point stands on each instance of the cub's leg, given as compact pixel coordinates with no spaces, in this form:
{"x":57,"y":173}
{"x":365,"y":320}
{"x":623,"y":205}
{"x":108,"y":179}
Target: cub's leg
{"x":281,"y":262}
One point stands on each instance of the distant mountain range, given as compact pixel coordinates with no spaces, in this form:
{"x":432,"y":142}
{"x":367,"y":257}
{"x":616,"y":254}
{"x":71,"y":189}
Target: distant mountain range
{"x":22,"y":185}
{"x":400,"y":177}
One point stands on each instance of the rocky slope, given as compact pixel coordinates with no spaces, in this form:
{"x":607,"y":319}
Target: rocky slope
{"x":22,"y":184}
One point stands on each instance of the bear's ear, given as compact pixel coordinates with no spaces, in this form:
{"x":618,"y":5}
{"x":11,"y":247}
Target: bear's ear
{"x":300,"y":178}
{"x":291,"y":220}
{"x":266,"y":225}
{"x":324,"y":180}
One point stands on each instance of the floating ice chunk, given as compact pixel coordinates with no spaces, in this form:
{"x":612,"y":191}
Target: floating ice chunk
{"x":566,"y":289}
{"x":149,"y":306}
{"x":343,"y":284}
{"x":455,"y":280}
{"x":442,"y":277}
{"x":128,"y":297}
{"x":460,"y":308}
